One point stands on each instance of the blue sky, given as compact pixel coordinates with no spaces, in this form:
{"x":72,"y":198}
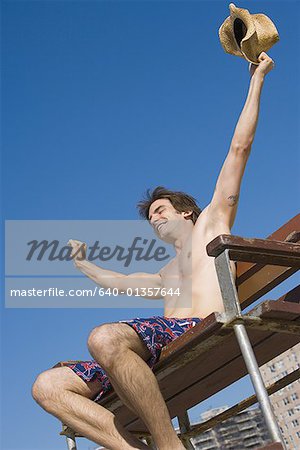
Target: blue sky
{"x":102,"y":100}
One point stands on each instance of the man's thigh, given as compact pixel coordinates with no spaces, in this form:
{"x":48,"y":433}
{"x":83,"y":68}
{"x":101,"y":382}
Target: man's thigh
{"x":67,"y":379}
{"x":130,"y":338}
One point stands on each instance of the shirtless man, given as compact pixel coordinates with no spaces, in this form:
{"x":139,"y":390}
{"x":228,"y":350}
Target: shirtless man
{"x":120,"y":349}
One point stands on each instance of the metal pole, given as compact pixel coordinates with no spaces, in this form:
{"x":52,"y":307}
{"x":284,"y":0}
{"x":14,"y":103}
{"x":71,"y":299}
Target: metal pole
{"x":71,"y":443}
{"x":226,"y":280}
{"x":257,"y":381}
{"x":184,"y":425}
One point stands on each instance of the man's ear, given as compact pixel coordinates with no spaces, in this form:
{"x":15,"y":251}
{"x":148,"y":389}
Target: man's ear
{"x":187,"y":214}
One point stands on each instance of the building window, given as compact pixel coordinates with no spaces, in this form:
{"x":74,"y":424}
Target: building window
{"x":294,"y":396}
{"x":295,"y":423}
{"x":272,"y":368}
{"x":286,"y":401}
{"x":290,"y":412}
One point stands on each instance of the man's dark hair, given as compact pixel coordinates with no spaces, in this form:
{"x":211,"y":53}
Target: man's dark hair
{"x":181,"y":201}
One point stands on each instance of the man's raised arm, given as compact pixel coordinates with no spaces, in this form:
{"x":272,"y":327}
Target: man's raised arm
{"x":110,"y":279}
{"x":223,"y":206}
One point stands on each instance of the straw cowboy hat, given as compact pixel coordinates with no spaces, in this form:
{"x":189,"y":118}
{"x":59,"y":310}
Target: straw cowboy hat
{"x":247,"y":35}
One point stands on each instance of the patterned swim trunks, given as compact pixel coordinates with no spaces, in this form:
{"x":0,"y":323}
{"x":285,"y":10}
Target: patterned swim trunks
{"x":156,"y":332}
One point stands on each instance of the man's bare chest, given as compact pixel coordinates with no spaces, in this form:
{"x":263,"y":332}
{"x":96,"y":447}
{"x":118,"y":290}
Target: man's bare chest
{"x":192,"y":258}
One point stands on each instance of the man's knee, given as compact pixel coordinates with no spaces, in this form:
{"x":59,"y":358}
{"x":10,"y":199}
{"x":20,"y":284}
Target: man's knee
{"x":50,"y":385}
{"x":44,"y":388}
{"x":104,"y":342}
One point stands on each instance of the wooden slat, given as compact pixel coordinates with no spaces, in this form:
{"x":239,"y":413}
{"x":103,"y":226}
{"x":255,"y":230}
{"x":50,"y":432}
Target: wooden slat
{"x":245,"y":269}
{"x":262,"y":251}
{"x":271,"y":309}
{"x":198,"y":334}
{"x":254,"y":279}
{"x":292,"y":296}
{"x":261,"y":283}
{"x":274,"y":446}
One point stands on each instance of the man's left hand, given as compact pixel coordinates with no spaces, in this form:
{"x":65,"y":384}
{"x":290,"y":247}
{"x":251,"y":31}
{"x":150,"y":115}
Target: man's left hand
{"x":266,"y":64}
{"x":78,"y":250}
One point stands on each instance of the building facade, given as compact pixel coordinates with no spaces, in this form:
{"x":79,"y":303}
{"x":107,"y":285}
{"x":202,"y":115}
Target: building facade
{"x":246,"y":430}
{"x":286,"y":402}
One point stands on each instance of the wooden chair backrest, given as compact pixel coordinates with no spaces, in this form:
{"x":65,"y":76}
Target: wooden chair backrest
{"x":255,"y":280}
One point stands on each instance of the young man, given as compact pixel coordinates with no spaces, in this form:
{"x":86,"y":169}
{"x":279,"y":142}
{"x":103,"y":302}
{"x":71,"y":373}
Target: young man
{"x":124,"y":355}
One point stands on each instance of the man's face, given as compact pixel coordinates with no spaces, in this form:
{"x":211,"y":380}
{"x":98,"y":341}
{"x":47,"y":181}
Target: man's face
{"x":166,"y":220}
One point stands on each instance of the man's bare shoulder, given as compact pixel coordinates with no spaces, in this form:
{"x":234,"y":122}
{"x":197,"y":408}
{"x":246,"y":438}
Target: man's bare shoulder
{"x":209,"y":225}
{"x":202,"y":221}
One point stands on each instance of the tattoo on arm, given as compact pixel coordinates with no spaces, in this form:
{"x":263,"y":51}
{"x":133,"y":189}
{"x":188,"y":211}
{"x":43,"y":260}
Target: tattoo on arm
{"x":233,"y":199}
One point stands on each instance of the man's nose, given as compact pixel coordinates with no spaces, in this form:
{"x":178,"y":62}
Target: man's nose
{"x":154,"y":219}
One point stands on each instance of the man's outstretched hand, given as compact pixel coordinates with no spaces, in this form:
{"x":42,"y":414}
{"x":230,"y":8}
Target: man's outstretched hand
{"x":78,"y":250}
{"x":266,"y":64}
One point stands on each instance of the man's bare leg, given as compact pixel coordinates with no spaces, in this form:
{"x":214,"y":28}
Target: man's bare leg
{"x":63,"y":394}
{"x":122,"y":354}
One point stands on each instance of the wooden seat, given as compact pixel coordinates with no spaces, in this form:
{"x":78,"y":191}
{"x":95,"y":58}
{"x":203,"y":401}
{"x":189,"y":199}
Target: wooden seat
{"x":275,"y":446}
{"x":208,"y":357}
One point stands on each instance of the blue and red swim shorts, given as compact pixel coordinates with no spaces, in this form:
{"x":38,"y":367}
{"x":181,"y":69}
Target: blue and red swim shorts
{"x":156,"y":332}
